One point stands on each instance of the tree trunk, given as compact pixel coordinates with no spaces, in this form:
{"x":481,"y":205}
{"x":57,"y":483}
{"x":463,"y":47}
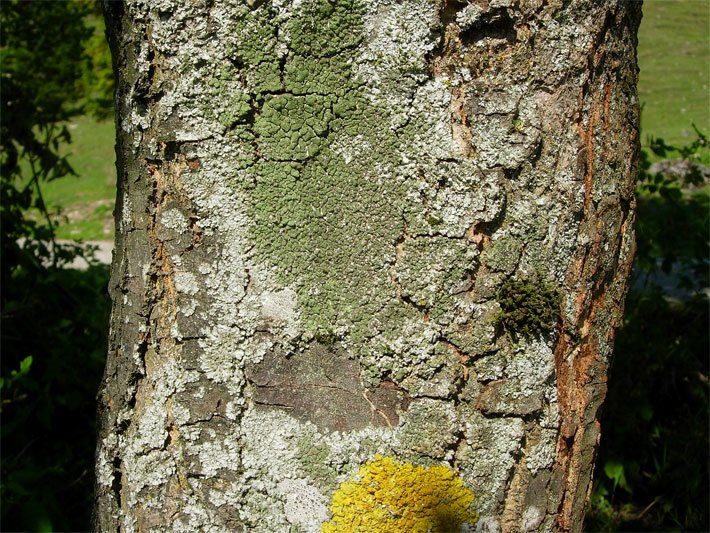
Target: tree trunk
{"x":350,"y":228}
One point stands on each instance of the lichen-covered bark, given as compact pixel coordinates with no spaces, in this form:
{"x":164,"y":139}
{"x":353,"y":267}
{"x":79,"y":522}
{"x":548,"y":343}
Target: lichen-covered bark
{"x":320,"y":205}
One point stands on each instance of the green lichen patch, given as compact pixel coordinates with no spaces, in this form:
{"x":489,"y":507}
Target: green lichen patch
{"x":229,"y":102}
{"x":307,"y":223}
{"x":530,"y":307}
{"x":504,"y":254}
{"x":430,"y":430}
{"x":237,"y":109}
{"x":432,"y":269}
{"x":293,"y":128}
{"x":242,"y":141}
{"x":438,"y":377}
{"x":256,"y":52}
{"x":323,"y":28}
{"x":476,"y":336}
{"x":318,"y":75}
{"x":333,"y":190}
{"x":313,"y":457}
{"x":324,"y":175}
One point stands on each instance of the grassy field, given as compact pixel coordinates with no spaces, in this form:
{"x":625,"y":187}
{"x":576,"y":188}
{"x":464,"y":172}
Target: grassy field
{"x":674,"y":58}
{"x":85,"y":202}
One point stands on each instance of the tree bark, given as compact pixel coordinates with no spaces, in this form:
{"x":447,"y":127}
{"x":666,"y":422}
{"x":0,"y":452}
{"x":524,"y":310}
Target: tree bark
{"x":359,"y":227}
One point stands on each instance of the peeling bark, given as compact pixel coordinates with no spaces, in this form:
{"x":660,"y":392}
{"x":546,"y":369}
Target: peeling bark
{"x":318,"y":205}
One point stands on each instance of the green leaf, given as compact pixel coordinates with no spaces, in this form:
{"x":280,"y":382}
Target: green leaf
{"x":25,"y":365}
{"x":614,"y":470}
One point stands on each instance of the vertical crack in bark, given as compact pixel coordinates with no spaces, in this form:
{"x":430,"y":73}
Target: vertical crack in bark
{"x":465,"y":360}
{"x":160,"y":296}
{"x":588,"y":136}
{"x":511,"y":519}
{"x":444,"y":61}
{"x":459,"y":122}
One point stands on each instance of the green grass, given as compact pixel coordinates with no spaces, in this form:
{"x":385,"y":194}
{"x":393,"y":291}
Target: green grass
{"x":86,"y":200}
{"x":674,"y":59}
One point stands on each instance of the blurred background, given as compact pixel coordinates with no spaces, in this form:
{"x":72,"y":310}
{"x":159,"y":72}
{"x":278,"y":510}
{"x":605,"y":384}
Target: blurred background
{"x":57,"y":187}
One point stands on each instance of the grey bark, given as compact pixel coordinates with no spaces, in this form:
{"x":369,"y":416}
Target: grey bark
{"x":319,"y":203}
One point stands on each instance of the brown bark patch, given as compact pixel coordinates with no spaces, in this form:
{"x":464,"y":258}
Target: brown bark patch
{"x":323,"y":386}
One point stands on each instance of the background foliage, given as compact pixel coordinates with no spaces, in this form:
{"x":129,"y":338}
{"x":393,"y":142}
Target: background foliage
{"x":54,"y":319}
{"x":652,"y":468}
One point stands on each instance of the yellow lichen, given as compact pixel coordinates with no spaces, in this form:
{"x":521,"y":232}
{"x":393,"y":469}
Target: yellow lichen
{"x":387,"y":496}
